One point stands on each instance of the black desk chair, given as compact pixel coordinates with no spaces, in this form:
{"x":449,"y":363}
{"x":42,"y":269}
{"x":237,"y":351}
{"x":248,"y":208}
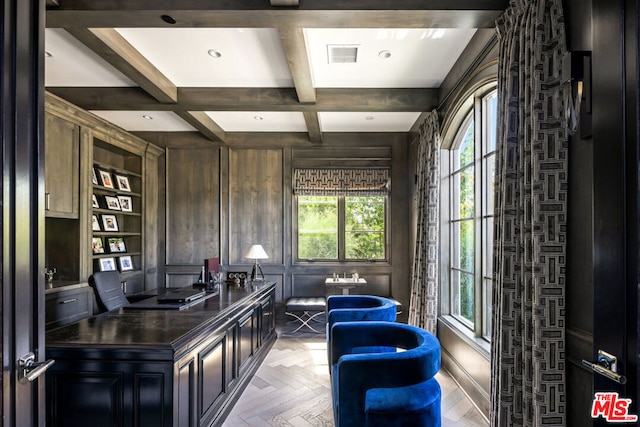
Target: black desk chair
{"x":108,"y":290}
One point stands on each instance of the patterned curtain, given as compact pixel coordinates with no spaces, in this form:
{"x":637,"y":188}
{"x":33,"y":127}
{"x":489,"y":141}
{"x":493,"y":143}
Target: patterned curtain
{"x":341,"y":182}
{"x":528,"y":338}
{"x":423,"y":306}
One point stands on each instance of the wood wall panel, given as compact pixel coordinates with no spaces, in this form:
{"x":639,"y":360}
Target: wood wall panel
{"x":256,"y":213}
{"x":193,"y":205}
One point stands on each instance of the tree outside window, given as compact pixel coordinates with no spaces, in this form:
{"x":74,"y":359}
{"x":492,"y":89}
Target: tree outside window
{"x":341,"y":227}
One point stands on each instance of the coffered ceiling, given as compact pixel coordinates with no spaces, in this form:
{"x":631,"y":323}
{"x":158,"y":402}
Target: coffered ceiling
{"x":224,"y":69}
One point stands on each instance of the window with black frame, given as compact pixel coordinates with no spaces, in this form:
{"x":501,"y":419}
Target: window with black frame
{"x":341,"y":214}
{"x":472,"y":162}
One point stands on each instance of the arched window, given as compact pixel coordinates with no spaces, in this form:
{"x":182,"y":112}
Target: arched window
{"x":470,"y":216}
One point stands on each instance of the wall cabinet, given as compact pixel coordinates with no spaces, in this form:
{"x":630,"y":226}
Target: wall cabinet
{"x":62,"y":164}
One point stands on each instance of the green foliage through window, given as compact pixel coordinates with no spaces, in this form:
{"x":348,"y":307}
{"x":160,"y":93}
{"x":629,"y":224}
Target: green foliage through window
{"x":362,"y":232}
{"x":317,"y":227}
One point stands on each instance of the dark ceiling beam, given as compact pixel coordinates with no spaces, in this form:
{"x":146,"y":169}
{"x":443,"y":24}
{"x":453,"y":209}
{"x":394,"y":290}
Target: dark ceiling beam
{"x":113,"y":48}
{"x":295,"y":50}
{"x":260,"y":14}
{"x":117,"y":51}
{"x":251,"y":99}
{"x":313,"y":126}
{"x":204,"y":124}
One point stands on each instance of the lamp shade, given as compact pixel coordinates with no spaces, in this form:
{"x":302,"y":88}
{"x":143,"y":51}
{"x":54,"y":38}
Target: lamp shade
{"x":256,"y":252}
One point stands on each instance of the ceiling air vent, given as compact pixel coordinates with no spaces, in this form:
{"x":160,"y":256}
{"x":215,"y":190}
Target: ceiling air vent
{"x":342,"y":54}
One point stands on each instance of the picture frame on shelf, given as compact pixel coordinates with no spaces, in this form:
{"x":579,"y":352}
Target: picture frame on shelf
{"x":109,"y":223}
{"x":113,"y":203}
{"x":125,"y":263}
{"x":123,"y":183}
{"x":116,"y":244}
{"x":105,"y":178}
{"x":125,"y":203}
{"x":94,"y":201}
{"x":94,"y":177}
{"x":95,"y":224}
{"x":107,"y":264}
{"x":96,"y":243}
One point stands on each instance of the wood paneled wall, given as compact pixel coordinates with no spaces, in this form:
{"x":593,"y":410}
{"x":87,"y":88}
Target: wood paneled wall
{"x":219,"y":200}
{"x":256,"y":211}
{"x":192,"y":218}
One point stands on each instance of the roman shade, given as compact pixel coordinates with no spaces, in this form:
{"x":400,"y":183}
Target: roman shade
{"x":341,"y":182}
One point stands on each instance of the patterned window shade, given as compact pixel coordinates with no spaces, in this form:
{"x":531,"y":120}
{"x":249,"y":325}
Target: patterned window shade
{"x":341,"y":182}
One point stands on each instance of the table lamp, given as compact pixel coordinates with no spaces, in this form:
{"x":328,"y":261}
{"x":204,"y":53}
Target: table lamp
{"x":255,"y":253}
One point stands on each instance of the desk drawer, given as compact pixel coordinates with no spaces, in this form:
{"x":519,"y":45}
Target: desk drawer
{"x":68,"y":306}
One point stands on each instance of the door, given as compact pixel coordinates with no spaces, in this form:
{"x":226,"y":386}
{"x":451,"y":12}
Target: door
{"x":21,"y":281}
{"x":616,"y":214}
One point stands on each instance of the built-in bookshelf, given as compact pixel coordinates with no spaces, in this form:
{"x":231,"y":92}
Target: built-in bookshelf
{"x":77,"y":145}
{"x":117,"y":213}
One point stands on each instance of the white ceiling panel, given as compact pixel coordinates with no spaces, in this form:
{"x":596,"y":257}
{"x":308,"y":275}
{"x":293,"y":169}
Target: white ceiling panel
{"x":392,"y":58}
{"x":152,"y":121}
{"x":73,"y":64}
{"x":259,"y":121}
{"x":367,"y":122}
{"x":249,"y":57}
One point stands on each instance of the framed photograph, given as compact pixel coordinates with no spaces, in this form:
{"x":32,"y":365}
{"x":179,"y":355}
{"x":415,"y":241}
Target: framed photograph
{"x":125,"y":263}
{"x":107,"y":264}
{"x":105,"y":178}
{"x":123,"y":183}
{"x":96,"y":243}
{"x":95,"y":224}
{"x":109,"y":223}
{"x":94,"y":201}
{"x":94,"y":177}
{"x":116,"y":244}
{"x":112,"y":203}
{"x":125,"y":203}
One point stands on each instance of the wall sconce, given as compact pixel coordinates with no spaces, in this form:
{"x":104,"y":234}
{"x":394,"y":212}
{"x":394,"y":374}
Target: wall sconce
{"x":255,"y":253}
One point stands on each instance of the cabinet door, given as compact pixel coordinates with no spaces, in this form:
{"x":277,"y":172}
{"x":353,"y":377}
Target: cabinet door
{"x":62,"y":164}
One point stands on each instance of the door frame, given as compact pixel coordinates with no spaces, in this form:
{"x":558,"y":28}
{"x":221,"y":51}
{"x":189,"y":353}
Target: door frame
{"x":21,"y":279}
{"x":616,"y":193}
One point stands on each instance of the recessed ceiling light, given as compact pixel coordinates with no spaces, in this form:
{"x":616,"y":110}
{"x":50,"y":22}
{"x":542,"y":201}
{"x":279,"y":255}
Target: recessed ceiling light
{"x":47,"y":54}
{"x":214,"y":53}
{"x":168,"y":19}
{"x":148,"y":117}
{"x":258,"y":118}
{"x":384,"y":54}
{"x":369,"y":118}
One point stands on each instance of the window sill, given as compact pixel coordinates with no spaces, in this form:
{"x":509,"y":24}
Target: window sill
{"x":478,"y":344}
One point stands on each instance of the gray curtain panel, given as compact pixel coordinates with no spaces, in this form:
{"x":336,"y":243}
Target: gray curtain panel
{"x":528,"y":339}
{"x":423,"y":306}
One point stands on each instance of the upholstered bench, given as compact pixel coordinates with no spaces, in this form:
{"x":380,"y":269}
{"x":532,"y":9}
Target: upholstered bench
{"x":310,"y":307}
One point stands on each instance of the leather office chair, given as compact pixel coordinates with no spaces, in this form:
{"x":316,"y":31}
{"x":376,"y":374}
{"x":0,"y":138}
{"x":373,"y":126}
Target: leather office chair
{"x":108,"y":290}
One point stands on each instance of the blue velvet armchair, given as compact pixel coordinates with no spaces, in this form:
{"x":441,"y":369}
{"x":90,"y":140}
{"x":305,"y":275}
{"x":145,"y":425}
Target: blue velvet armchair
{"x":389,"y":388}
{"x":349,"y":308}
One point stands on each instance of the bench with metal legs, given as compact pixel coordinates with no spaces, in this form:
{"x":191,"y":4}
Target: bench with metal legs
{"x":311,"y":308}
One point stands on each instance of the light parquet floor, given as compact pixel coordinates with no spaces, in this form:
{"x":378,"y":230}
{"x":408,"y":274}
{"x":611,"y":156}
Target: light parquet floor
{"x":292,"y":388}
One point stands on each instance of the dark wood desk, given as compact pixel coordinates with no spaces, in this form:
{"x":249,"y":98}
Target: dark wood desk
{"x":159,"y":367}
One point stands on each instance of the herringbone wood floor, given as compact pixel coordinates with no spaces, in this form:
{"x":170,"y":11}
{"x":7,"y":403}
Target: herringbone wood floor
{"x":292,"y":388}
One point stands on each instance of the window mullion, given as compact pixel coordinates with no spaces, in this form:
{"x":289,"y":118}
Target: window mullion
{"x":478,"y":183}
{"x":341,"y":228}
